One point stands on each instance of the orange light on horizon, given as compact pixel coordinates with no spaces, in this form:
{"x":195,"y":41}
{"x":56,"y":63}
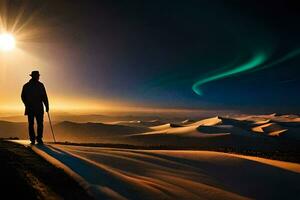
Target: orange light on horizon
{"x":95,"y":107}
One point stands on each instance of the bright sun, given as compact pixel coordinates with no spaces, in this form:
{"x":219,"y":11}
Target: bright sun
{"x":7,"y":42}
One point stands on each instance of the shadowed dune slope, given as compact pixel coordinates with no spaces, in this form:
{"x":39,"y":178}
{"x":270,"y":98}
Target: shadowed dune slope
{"x":168,"y":174}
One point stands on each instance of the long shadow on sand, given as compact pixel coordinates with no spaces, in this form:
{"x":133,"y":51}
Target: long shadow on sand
{"x":103,"y":184}
{"x":164,"y":175}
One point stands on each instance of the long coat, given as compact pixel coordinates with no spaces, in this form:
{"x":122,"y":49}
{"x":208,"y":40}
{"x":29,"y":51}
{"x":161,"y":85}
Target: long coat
{"x":33,"y":96}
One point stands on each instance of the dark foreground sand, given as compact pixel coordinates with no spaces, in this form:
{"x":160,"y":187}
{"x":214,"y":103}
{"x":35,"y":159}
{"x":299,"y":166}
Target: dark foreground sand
{"x":25,"y":175}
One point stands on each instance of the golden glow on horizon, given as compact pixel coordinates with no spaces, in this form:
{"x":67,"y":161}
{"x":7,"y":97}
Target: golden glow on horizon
{"x":93,"y":106}
{"x":7,"y":42}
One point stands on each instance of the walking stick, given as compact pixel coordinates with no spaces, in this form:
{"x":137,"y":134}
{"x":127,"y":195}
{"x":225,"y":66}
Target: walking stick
{"x":51,"y":127}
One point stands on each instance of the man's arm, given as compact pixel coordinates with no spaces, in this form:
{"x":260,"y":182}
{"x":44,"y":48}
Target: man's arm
{"x":23,"y":96}
{"x":45,"y":98}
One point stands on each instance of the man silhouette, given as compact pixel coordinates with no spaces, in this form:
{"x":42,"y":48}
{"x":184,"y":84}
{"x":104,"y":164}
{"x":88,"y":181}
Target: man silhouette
{"x":33,"y":96}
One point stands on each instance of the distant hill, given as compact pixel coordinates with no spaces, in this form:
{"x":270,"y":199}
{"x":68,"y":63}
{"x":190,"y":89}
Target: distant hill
{"x":13,"y":129}
{"x":93,"y":131}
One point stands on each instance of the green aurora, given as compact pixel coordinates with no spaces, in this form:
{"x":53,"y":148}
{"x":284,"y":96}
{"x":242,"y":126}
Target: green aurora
{"x":255,"y":63}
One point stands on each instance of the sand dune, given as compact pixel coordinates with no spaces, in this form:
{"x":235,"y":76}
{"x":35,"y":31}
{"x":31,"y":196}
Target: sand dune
{"x":225,"y":129}
{"x":207,"y":122}
{"x":255,"y":117}
{"x":85,"y":132}
{"x":165,"y":126}
{"x":211,"y":127}
{"x":273,"y":117}
{"x":172,"y":174}
{"x":271,"y":129}
{"x":287,"y":118}
{"x":13,"y":129}
{"x":252,"y":131}
{"x":189,"y":130}
{"x":262,"y":121}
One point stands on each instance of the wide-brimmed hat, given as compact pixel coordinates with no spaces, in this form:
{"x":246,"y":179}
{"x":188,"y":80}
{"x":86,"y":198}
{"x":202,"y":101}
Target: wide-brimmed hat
{"x":34,"y":73}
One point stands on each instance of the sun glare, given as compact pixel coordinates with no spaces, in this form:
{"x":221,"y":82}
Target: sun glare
{"x":7,"y":42}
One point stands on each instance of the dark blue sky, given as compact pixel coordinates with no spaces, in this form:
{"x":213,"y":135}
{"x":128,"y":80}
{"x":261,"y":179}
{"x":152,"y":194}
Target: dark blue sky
{"x":152,"y":52}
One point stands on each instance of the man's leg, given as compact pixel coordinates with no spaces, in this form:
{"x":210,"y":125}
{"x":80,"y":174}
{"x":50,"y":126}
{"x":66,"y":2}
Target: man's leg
{"x":31,"y":128}
{"x":40,"y":127}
